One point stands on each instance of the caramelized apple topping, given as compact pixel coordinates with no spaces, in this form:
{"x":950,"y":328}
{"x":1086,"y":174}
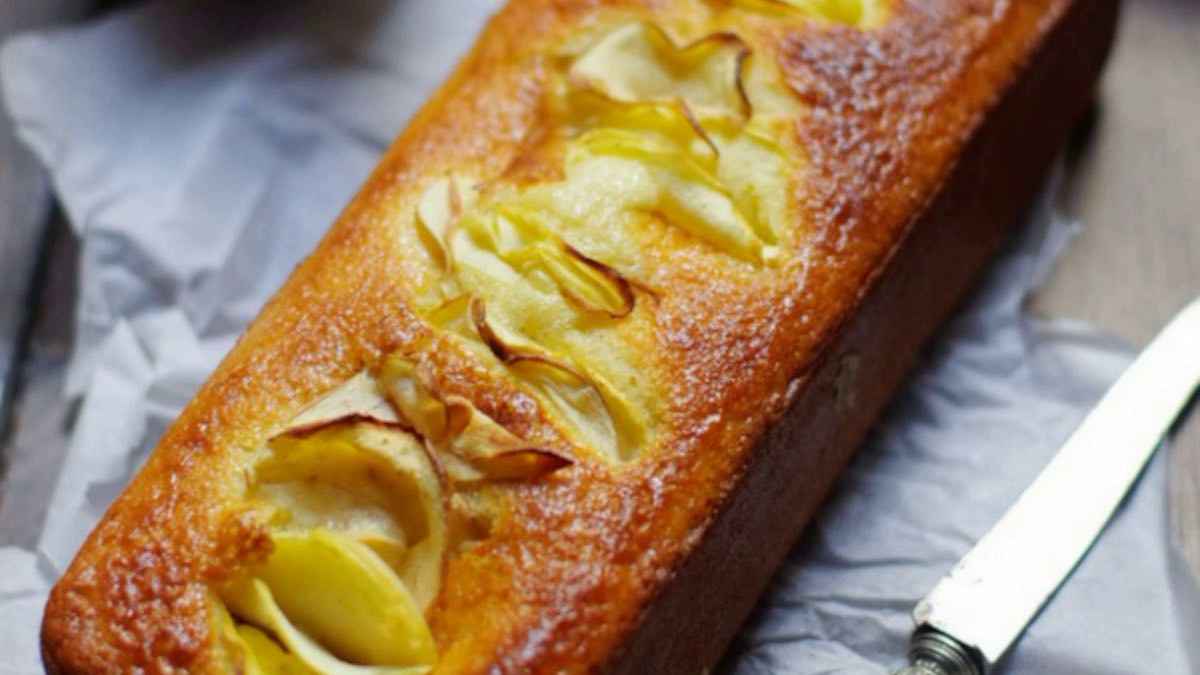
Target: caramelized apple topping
{"x":506,"y":347}
{"x":370,"y":489}
{"x":693,"y":137}
{"x":520,"y":464}
{"x":862,"y":13}
{"x":360,"y":524}
{"x":523,"y":239}
{"x":407,"y":389}
{"x":596,"y":413}
{"x":377,"y":484}
{"x":357,"y":398}
{"x":439,"y":208}
{"x":673,"y":119}
{"x":358,"y":520}
{"x":591,"y":407}
{"x":638,"y":63}
{"x":688,"y":193}
{"x":453,"y":316}
{"x":264,"y":656}
{"x":593,"y":285}
{"x":471,"y":447}
{"x":332,"y":603}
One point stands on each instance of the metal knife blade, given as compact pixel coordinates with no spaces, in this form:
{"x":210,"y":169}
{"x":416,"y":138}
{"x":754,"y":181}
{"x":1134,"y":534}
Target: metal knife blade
{"x":976,"y":612}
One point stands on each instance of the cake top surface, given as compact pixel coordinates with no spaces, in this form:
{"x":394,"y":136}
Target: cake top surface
{"x":518,"y":378}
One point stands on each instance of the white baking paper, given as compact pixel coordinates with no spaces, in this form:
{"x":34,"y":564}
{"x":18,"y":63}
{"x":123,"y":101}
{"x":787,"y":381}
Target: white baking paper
{"x":200,"y":149}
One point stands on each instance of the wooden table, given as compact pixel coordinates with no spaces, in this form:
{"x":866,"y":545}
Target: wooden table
{"x":1135,"y":184}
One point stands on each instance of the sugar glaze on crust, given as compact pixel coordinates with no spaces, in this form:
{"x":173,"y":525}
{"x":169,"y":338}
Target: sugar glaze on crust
{"x":719,"y":328}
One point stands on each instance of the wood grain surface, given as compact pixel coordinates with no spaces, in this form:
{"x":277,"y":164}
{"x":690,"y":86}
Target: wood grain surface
{"x":1135,"y":185}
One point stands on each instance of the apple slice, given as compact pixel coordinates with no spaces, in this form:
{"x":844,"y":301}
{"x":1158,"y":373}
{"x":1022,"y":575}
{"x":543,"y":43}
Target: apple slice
{"x":373,"y":482}
{"x":639,"y":63}
{"x":357,"y":397}
{"x":862,"y":13}
{"x":589,"y":284}
{"x":588,"y":109}
{"x":472,"y":446}
{"x":689,"y":195}
{"x":333,"y":602}
{"x":440,"y":205}
{"x":414,"y":400}
{"x":532,"y":244}
{"x":495,"y":452}
{"x":602,"y":417}
{"x":264,"y":656}
{"x":236,"y":647}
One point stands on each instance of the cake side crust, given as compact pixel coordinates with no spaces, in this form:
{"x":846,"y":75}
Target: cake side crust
{"x":688,"y":626}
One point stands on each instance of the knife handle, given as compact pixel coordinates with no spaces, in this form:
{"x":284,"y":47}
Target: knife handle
{"x":933,"y":652}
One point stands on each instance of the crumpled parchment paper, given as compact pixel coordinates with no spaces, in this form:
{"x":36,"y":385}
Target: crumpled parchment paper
{"x":200,"y":150}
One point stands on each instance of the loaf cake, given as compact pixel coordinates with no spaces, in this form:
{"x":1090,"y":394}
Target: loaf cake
{"x":567,"y":378}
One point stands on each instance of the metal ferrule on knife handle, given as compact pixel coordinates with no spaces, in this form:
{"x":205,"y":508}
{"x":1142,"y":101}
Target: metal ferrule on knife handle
{"x":933,"y":652}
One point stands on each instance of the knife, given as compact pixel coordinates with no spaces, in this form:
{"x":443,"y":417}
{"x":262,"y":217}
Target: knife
{"x":975,"y":613}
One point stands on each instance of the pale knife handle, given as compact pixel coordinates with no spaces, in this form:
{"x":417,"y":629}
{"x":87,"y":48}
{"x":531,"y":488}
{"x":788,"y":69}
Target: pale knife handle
{"x":933,"y":652}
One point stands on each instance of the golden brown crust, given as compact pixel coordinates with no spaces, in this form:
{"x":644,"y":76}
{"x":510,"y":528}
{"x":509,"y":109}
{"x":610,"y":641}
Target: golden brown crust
{"x":687,"y":625}
{"x":566,"y":580}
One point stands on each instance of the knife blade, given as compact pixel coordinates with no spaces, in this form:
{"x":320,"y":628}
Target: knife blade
{"x":975,"y":613}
